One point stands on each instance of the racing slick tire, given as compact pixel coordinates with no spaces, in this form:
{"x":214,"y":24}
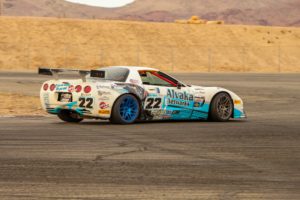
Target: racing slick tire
{"x":221,"y":108}
{"x":69,"y":116}
{"x":126,"y":110}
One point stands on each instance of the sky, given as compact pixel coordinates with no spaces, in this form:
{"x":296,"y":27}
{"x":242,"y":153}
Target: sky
{"x":103,"y":3}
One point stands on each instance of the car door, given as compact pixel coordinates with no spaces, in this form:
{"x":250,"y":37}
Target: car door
{"x":164,"y":99}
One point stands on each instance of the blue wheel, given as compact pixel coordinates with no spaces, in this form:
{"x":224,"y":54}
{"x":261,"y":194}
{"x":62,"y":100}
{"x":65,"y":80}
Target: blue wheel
{"x":126,"y":110}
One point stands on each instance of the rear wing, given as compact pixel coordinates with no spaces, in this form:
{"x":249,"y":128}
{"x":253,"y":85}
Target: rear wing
{"x":83,"y":73}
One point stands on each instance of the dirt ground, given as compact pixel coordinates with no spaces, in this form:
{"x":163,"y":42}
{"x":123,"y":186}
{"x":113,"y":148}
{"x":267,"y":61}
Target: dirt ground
{"x":28,"y":43}
{"x":19,"y":105}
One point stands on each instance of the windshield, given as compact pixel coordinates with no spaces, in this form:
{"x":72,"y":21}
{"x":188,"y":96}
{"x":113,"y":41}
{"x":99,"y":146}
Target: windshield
{"x":113,"y":74}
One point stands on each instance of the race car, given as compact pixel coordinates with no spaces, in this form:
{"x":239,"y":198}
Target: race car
{"x":124,"y":95}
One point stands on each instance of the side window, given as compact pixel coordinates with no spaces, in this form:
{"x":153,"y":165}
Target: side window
{"x":155,"y":78}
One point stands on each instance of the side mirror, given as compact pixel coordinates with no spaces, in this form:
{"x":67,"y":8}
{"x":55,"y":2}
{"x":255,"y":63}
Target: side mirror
{"x":179,"y":86}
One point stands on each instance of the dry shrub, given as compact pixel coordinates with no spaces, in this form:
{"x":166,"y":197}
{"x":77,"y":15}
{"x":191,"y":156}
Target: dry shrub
{"x":192,"y":20}
{"x":181,"y":21}
{"x":195,"y":18}
{"x":219,"y":22}
{"x":196,"y":22}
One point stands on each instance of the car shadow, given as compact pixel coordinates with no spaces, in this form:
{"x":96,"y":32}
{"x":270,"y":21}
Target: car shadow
{"x":107,"y":123}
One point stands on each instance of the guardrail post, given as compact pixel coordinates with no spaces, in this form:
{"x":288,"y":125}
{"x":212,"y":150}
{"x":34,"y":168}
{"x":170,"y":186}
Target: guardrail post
{"x":172,"y":59}
{"x":28,"y":56}
{"x":209,"y":59}
{"x":279,"y":58}
{"x":101,"y":57}
{"x":65,"y":55}
{"x":244,"y":58}
{"x":138,"y":55}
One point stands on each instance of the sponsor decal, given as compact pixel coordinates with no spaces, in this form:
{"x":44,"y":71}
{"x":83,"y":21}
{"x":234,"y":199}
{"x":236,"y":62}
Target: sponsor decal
{"x":166,"y":117}
{"x":104,"y":98}
{"x":200,"y":91}
{"x":179,"y":98}
{"x":175,"y":112}
{"x":178,"y":102}
{"x":197,"y":105}
{"x":180,"y":95}
{"x":199,"y":101}
{"x":62,"y":87}
{"x":102,"y":93}
{"x":103,"y":105}
{"x":158,"y":90}
{"x":152,"y":95}
{"x":99,"y":87}
{"x":164,"y":112}
{"x":85,"y":95}
{"x":158,"y":112}
{"x":104,"y":112}
{"x":133,"y":81}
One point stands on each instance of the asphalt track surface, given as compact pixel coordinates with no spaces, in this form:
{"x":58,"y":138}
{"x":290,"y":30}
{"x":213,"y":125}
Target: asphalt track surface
{"x":44,"y":158}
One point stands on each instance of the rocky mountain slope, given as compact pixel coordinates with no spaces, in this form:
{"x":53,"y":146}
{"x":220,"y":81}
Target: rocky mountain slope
{"x":254,"y":12}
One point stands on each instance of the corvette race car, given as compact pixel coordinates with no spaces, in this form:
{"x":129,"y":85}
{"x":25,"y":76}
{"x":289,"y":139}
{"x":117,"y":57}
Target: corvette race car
{"x":124,"y":95}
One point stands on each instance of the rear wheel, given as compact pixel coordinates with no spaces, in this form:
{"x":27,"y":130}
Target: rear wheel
{"x":221,"y":108}
{"x":69,"y":116}
{"x":126,"y":110}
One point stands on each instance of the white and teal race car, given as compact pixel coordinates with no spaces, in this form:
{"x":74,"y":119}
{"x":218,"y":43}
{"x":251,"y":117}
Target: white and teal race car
{"x":125,"y":95}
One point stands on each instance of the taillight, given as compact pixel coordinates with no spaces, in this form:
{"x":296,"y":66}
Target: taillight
{"x":45,"y":87}
{"x":52,"y":87}
{"x":71,"y":88}
{"x":78,"y":88}
{"x":87,"y":89}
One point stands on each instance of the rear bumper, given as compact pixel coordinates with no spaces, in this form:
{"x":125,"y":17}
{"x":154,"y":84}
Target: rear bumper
{"x":80,"y":111}
{"x":72,"y":106}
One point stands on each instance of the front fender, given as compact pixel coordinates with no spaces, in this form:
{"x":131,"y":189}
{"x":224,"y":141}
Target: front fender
{"x":211,"y":92}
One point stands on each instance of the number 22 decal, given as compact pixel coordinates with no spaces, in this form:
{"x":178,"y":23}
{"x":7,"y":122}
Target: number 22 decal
{"x":86,"y":102}
{"x":153,"y":103}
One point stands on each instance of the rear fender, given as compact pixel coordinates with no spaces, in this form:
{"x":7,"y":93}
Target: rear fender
{"x":119,"y":89}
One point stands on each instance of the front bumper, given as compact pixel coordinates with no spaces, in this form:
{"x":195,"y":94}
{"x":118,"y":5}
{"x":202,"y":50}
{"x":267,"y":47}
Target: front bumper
{"x":239,"y":114}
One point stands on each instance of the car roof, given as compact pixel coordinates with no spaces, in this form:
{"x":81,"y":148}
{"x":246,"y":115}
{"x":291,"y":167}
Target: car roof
{"x":136,"y":68}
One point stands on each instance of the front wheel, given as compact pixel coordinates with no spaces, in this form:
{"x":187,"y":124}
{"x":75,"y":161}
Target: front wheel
{"x":126,"y":110}
{"x":221,"y":108}
{"x":69,"y":116}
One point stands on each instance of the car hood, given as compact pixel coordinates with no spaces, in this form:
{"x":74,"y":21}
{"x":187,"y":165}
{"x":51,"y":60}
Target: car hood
{"x":210,"y":92}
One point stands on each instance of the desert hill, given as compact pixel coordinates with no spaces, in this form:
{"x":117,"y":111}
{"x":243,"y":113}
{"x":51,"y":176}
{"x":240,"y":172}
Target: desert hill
{"x":27,"y":43}
{"x":254,"y":12}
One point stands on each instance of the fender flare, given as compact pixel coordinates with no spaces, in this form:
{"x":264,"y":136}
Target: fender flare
{"x":136,"y":96}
